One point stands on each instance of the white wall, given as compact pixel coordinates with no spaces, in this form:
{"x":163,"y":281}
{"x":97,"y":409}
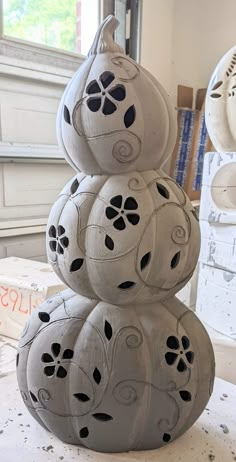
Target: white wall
{"x":156,"y":44}
{"x":203,"y":30}
{"x":182,"y":40}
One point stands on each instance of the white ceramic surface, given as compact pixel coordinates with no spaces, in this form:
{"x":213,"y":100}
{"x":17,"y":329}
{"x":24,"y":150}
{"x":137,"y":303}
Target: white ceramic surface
{"x":220,"y":108}
{"x":212,"y":437}
{"x":128,"y":366}
{"x":114,"y":117}
{"x":123,"y":238}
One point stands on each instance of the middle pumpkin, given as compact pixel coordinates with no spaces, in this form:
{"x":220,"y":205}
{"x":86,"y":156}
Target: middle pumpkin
{"x":123,"y":238}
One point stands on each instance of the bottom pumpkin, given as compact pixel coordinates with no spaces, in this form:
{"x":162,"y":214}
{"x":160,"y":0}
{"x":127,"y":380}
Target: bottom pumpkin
{"x":115,"y":378}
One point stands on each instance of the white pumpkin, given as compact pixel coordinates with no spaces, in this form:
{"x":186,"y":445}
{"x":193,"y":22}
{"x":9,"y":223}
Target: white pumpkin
{"x":114,"y":117}
{"x":114,"y":379}
{"x":123,"y":238}
{"x":221,"y":104}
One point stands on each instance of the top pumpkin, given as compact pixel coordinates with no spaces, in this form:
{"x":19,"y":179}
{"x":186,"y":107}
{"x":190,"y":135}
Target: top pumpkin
{"x":220,"y":104}
{"x":114,"y":117}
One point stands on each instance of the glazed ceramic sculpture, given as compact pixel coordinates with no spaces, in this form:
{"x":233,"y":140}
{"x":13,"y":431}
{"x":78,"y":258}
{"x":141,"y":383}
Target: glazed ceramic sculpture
{"x":220,"y":104}
{"x":116,"y":362}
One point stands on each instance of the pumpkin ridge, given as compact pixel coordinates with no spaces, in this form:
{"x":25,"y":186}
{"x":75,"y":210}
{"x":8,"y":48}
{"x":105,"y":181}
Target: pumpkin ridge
{"x":152,"y":199}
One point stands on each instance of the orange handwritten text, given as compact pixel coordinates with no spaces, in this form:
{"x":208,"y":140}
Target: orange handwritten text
{"x":19,"y":300}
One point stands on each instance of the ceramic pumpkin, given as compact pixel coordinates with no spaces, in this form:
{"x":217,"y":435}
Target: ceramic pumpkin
{"x":123,"y":364}
{"x":114,"y":378}
{"x":114,"y":117}
{"x":220,"y":104}
{"x":123,"y":238}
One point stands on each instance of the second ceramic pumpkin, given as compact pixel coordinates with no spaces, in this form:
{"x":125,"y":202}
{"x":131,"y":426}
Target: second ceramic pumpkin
{"x":123,"y":238}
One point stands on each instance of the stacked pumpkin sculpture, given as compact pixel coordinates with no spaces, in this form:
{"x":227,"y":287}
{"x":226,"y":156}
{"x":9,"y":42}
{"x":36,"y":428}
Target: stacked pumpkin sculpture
{"x":116,"y":362}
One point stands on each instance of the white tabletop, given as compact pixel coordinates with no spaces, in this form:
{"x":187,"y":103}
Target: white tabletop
{"x":212,"y":438}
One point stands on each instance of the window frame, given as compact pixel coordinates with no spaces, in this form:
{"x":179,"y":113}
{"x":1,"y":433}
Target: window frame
{"x":105,"y":7}
{"x":31,"y":52}
{"x":41,"y":49}
{"x":29,"y":61}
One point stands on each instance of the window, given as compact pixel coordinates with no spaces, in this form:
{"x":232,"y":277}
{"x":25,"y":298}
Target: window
{"x":69,"y":25}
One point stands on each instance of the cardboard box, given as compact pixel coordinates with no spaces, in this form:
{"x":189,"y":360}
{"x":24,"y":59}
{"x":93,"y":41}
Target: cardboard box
{"x":192,"y":142}
{"x":24,"y":285}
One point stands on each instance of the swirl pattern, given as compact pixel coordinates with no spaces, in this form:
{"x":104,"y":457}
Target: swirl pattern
{"x":124,"y":152}
{"x":179,"y":235}
{"x":134,"y":340}
{"x":125,"y":393}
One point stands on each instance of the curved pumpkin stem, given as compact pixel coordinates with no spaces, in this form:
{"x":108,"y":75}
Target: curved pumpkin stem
{"x":103,"y":41}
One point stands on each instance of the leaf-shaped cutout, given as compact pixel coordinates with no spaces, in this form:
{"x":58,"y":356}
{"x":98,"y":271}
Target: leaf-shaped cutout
{"x":217,"y":85}
{"x":81,"y":397}
{"x":109,"y":242}
{"x":102,"y":417}
{"x":43,"y":316}
{"x":108,"y":330}
{"x":185,"y":395}
{"x":163,"y":191}
{"x":67,"y":115}
{"x":195,"y":214}
{"x":126,"y":285}
{"x":145,"y":260}
{"x":33,"y":397}
{"x":166,"y":437}
{"x":76,"y":264}
{"x":97,"y":375}
{"x":175,"y":260}
{"x":216,"y":95}
{"x":74,"y":186}
{"x":84,"y":432}
{"x":17,"y":359}
{"x":130,"y":116}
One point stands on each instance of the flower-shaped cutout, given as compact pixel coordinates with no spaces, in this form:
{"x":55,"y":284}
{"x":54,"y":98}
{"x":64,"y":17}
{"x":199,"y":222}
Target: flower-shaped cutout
{"x":54,"y":362}
{"x":104,"y":94}
{"x":121,"y":211}
{"x":59,"y":241}
{"x":180,"y":353}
